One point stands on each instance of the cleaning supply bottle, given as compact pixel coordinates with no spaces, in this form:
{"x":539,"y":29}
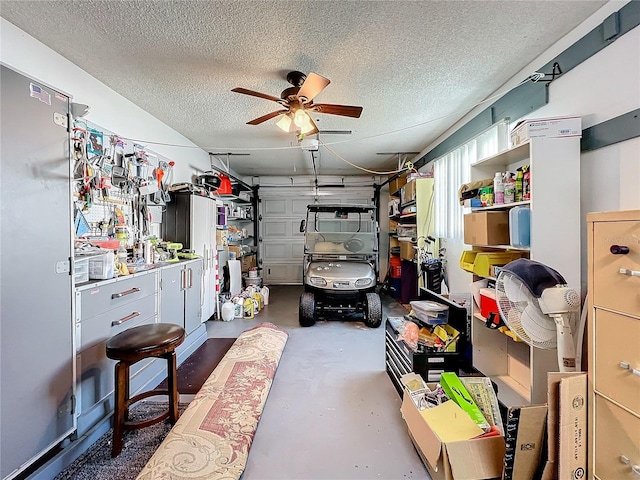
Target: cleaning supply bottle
{"x":509,"y":188}
{"x":526,"y":183}
{"x":498,"y":189}
{"x":519,"y":175}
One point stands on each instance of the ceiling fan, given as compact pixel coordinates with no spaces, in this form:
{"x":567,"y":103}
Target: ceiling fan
{"x":298,"y":102}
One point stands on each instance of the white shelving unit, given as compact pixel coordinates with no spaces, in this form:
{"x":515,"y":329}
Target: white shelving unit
{"x":520,"y":371}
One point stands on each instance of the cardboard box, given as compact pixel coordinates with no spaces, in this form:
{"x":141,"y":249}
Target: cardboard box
{"x":408,"y":192}
{"x":407,"y":252}
{"x":443,"y":436}
{"x":566,"y":426}
{"x":546,"y":127}
{"x":397,"y":183}
{"x":486,"y":228}
{"x":524,"y":441}
{"x":247,"y":262}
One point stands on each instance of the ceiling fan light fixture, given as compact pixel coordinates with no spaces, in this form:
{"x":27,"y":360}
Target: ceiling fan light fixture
{"x":285,"y":123}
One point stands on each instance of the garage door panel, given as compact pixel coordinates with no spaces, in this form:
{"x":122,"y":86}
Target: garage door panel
{"x":295,"y":229}
{"x":299,"y":206}
{"x":275,"y":228}
{"x":282,"y":273}
{"x":275,"y":206}
{"x":297,"y":250}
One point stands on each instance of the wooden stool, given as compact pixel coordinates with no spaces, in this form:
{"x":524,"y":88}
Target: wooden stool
{"x":131,"y":346}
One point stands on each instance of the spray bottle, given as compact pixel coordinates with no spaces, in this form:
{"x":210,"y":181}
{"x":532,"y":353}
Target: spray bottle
{"x":498,"y":189}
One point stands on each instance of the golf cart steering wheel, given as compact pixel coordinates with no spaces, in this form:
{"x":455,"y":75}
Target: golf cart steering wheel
{"x":354,"y":245}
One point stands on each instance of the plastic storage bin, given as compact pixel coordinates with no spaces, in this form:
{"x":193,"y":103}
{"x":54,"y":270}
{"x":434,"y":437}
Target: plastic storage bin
{"x":520,"y":227}
{"x":431,"y":313}
{"x":81,"y":270}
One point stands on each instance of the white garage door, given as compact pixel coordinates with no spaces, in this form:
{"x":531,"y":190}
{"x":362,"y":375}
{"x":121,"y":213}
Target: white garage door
{"x":281,"y":243}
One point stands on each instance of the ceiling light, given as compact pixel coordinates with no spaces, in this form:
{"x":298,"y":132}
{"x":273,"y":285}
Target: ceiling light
{"x":285,"y":123}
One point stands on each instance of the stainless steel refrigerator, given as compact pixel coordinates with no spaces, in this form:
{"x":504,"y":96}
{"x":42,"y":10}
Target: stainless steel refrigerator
{"x":36,"y":323}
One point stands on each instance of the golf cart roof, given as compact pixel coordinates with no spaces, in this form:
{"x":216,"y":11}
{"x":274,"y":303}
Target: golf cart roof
{"x":339,"y":207}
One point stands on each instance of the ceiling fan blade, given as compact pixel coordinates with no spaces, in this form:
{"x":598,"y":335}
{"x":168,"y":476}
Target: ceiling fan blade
{"x":313,"y":85}
{"x":344,"y":110}
{"x":266,"y":117}
{"x":256,"y":94}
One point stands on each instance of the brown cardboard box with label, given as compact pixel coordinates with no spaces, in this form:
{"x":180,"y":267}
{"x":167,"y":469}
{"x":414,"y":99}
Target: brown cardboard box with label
{"x":486,"y":228}
{"x":443,"y":436}
{"x":567,"y":426}
{"x":397,"y":183}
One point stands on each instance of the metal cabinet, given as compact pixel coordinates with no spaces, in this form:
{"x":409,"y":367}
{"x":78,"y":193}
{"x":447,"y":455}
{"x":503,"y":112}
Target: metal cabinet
{"x":36,"y":345}
{"x":181,"y":294}
{"x":105,"y":309}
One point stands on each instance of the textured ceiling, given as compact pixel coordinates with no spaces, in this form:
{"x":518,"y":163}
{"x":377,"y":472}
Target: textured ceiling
{"x":414,"y":66}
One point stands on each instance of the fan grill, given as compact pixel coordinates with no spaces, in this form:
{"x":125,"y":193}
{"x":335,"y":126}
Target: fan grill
{"x":520,"y":311}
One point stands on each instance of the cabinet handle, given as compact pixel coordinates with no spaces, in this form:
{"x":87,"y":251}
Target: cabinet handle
{"x":632,"y":273}
{"x":127,"y":292}
{"x":619,"y":249}
{"x":115,"y":323}
{"x":190,"y":284}
{"x":636,"y":470}
{"x":626,"y":366}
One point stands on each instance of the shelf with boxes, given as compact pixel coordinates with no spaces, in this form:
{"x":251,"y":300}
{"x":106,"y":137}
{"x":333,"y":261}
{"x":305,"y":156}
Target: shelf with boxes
{"x":542,"y":224}
{"x":411,"y":219}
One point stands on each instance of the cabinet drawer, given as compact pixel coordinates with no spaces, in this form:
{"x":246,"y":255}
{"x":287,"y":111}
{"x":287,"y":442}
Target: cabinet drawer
{"x":116,"y":320}
{"x":105,"y":297}
{"x":617,"y":338}
{"x":612,"y":289}
{"x":96,"y":371}
{"x":617,"y":438}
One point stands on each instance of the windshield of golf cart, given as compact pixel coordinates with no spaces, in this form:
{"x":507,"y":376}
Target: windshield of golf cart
{"x":341,"y":232}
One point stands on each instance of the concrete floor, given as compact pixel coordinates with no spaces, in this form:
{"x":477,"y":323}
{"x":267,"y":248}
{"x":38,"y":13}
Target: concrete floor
{"x":332,"y":412}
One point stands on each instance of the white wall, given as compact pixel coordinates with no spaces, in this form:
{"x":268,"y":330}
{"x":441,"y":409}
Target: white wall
{"x":603,"y":87}
{"x":108,"y":109}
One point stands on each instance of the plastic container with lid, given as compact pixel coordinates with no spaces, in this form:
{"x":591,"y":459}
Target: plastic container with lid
{"x":520,"y":226}
{"x":431,"y":313}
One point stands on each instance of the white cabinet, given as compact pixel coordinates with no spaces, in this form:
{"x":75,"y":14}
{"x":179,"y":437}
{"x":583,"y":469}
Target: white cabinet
{"x":180,"y":294}
{"x":520,"y":371}
{"x":191,"y":220}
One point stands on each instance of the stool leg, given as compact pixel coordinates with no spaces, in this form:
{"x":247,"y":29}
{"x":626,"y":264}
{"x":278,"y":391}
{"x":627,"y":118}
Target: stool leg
{"x":122,"y":386}
{"x":172,"y":384}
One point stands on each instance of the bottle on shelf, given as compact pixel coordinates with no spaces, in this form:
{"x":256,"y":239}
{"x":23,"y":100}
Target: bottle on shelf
{"x":526,"y":184}
{"x":509,"y":188}
{"x":518,"y":193}
{"x":498,"y":189}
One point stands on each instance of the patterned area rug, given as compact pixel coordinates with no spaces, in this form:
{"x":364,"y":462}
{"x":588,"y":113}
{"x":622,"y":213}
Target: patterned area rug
{"x":211,"y":440}
{"x":139,"y":445}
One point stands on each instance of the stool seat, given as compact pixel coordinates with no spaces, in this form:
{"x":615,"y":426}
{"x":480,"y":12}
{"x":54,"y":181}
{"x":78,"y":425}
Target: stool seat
{"x":144,"y":341}
{"x":128,"y":347}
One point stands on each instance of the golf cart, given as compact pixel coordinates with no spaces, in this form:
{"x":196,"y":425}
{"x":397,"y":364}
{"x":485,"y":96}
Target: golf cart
{"x":340,"y":264}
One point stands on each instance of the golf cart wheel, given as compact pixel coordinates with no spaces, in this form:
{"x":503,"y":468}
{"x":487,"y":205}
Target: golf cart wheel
{"x":307,"y":309}
{"x":372,"y":310}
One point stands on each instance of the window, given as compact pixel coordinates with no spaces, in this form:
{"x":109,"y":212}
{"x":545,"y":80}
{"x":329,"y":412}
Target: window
{"x":452,"y":170}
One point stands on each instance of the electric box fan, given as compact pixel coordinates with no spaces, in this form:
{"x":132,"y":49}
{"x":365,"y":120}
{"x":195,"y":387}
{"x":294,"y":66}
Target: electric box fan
{"x":537,"y":305}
